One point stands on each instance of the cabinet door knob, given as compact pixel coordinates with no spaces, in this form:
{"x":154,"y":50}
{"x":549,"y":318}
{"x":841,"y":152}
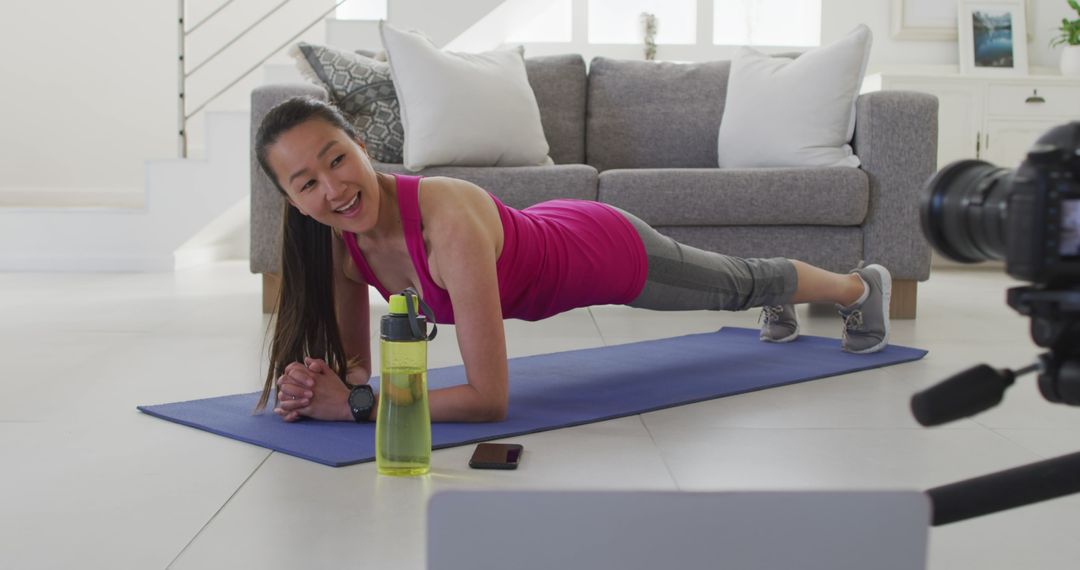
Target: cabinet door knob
{"x":1035,"y":97}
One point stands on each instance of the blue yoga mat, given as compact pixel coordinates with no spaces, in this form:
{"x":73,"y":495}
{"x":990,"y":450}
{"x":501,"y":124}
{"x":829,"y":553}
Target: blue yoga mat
{"x":552,"y":391}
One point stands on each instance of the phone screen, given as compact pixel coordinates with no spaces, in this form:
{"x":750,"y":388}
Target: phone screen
{"x":496,"y":456}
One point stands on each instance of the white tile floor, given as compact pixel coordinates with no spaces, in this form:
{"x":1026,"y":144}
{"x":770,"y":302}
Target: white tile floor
{"x":86,"y":481}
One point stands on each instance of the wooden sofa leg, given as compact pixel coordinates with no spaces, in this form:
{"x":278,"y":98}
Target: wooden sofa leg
{"x":903,"y":299}
{"x":271,"y":284}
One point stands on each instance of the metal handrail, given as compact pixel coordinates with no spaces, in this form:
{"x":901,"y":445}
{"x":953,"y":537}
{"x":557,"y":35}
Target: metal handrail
{"x":238,"y":37}
{"x":263,"y":60}
{"x":207,"y":19}
{"x":182,"y":114}
{"x":181,"y":119}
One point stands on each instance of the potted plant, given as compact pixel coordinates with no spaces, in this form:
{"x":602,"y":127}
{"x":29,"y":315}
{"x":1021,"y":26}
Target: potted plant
{"x":1070,"y":37}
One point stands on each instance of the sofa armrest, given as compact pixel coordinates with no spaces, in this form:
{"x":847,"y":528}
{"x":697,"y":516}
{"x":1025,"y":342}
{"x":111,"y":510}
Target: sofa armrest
{"x":896,"y":135}
{"x":267,"y":204}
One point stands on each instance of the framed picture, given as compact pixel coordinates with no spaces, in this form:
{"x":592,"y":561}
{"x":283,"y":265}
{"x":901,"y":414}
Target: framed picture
{"x":992,"y":37}
{"x":924,"y":20}
{"x":932,"y":20}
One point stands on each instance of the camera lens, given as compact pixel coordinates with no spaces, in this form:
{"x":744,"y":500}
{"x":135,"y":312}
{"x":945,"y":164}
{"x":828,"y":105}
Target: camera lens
{"x":963,"y":210}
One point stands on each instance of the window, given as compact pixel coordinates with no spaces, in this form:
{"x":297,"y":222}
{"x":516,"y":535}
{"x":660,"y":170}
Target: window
{"x":619,"y":21}
{"x":362,"y":10}
{"x":553,"y":24}
{"x":779,"y":23}
{"x":794,"y":23}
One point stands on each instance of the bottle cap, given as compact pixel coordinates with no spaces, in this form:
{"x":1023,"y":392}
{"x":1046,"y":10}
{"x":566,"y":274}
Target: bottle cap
{"x":397,"y":327}
{"x":397,"y":305}
{"x":405,"y":321}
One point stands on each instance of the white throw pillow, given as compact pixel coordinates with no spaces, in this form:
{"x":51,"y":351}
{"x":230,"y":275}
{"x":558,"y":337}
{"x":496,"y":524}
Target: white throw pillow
{"x":461,"y":108}
{"x":794,"y":112}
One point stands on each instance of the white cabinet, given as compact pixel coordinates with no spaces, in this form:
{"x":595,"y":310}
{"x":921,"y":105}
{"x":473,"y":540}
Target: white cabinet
{"x":1008,"y":140}
{"x":996,"y":119}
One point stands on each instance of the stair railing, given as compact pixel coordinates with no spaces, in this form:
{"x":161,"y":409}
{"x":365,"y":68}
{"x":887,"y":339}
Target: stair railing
{"x":183,"y":73}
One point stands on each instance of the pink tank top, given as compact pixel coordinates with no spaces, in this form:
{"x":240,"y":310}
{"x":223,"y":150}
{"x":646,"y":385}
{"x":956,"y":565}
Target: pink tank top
{"x":556,"y":256}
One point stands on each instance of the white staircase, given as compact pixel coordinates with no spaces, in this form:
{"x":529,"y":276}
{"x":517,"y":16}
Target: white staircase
{"x":189,"y":205}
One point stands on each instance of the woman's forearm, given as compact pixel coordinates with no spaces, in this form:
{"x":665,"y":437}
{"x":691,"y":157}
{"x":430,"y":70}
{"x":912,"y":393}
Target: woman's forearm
{"x":465,"y":404}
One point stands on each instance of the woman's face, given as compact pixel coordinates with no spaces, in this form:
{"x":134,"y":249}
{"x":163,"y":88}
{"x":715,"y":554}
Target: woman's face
{"x":327,"y":176}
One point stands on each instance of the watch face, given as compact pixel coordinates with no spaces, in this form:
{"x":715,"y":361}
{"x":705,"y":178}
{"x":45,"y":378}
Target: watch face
{"x":361,"y":398}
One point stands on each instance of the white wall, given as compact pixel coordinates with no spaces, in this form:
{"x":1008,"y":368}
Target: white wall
{"x":83,"y":105}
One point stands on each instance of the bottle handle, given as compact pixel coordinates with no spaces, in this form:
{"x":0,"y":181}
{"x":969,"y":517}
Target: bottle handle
{"x":409,"y":294}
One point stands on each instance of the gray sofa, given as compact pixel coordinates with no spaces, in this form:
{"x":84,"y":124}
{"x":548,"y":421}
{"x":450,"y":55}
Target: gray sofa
{"x":642,"y":136}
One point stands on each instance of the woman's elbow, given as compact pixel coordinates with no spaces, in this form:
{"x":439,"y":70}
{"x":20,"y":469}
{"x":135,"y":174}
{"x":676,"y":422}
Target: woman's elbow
{"x":489,"y":405}
{"x":494,"y":411}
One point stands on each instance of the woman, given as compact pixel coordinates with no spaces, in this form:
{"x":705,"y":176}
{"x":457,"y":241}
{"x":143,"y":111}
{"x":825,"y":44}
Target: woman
{"x":476,"y":261}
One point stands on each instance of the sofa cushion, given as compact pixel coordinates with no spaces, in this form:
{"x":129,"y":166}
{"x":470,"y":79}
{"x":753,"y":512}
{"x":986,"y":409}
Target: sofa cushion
{"x":654,"y":115}
{"x":740,"y":197}
{"x":558,"y":82}
{"x":559,"y":85}
{"x":794,"y":112}
{"x":518,"y":186}
{"x":364,"y":91}
{"x":463,"y":109}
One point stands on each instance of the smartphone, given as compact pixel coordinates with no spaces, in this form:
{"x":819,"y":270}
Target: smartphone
{"x":496,"y":456}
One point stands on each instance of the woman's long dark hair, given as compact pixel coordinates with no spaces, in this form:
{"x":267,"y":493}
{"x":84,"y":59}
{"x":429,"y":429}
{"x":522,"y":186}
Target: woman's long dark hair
{"x":306,"y":322}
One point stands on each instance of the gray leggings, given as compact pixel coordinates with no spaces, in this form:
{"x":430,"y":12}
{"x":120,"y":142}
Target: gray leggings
{"x":684,"y":278}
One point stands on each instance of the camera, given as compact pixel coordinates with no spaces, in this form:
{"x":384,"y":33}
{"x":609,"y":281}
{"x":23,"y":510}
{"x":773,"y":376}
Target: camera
{"x":974,"y":211}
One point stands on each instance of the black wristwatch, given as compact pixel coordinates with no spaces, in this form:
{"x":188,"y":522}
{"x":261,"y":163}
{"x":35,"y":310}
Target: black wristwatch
{"x":361,"y":401}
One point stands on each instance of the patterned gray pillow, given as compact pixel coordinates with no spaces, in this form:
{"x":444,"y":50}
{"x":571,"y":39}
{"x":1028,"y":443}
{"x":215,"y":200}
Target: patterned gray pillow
{"x":363,"y":89}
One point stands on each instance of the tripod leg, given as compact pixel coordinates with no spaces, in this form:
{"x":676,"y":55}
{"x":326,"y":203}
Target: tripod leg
{"x":1007,"y":489}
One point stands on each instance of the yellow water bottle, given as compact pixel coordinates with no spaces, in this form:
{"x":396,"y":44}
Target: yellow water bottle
{"x":403,"y":423}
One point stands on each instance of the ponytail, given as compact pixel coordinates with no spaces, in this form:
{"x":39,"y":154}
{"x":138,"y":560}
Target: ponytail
{"x":306,"y":321}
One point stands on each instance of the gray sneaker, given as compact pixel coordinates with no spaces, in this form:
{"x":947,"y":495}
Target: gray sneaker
{"x":866,"y":325}
{"x":781,"y":324}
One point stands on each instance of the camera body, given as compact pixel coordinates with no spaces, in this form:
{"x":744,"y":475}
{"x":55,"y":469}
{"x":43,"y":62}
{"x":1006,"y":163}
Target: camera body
{"x":1043,"y":231}
{"x":1030,"y":217}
